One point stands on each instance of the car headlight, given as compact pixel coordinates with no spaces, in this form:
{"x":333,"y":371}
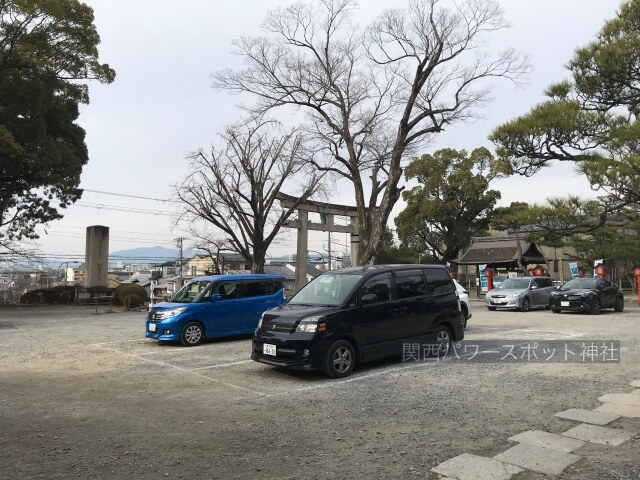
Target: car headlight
{"x":163,"y":315}
{"x":260,"y":321}
{"x":514,"y":295}
{"x":585,"y":294}
{"x":311,"y":325}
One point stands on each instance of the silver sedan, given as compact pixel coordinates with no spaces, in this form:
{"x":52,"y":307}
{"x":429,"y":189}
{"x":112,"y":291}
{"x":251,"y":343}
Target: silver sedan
{"x":522,"y":293}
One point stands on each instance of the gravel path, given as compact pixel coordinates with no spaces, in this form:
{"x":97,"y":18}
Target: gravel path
{"x":86,"y":396}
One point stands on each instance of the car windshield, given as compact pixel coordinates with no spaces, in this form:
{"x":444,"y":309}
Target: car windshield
{"x":190,"y":292}
{"x":580,"y":283}
{"x":328,"y":289}
{"x":514,"y":284}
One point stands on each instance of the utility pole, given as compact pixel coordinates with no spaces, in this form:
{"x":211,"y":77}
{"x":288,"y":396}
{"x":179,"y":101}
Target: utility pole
{"x":179,"y":245}
{"x":329,"y":249}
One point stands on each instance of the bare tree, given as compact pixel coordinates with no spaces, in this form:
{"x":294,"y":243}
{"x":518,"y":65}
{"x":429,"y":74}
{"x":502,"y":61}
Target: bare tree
{"x":211,"y":244}
{"x":373,"y":98}
{"x":234,"y":188}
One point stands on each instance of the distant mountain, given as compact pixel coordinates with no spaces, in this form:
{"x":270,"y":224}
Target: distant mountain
{"x":162,"y":254}
{"x":148,"y":254}
{"x":145,"y":255}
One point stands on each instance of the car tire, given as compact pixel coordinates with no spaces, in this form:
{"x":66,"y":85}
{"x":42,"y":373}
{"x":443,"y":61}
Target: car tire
{"x":493,"y":309}
{"x":596,"y":307}
{"x":341,"y":359}
{"x":465,"y":316}
{"x":192,"y":334}
{"x":444,"y":340}
{"x":526,"y":304}
{"x":619,"y":305}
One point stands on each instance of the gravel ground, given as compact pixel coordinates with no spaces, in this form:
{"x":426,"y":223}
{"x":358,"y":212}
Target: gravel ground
{"x":86,"y":396}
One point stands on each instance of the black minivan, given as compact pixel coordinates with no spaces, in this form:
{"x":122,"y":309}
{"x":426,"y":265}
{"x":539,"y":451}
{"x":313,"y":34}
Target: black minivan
{"x":344,"y":317}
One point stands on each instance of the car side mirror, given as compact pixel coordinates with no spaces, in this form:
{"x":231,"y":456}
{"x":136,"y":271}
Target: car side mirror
{"x":369,"y":298}
{"x":534,"y":287}
{"x":215,"y":297}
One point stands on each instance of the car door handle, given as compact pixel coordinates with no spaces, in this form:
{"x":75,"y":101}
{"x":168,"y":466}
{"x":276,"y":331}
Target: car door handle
{"x":399,"y":311}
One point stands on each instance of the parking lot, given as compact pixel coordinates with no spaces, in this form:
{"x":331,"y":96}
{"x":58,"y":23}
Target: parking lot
{"x":86,"y":395}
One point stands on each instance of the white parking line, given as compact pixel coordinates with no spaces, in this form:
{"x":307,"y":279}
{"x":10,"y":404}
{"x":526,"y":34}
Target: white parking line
{"x":325,"y":384}
{"x":181,"y":369}
{"x":333,"y":383}
{"x":222,"y":365}
{"x":163,"y":352}
{"x":120,"y":341}
{"x":564,"y":337}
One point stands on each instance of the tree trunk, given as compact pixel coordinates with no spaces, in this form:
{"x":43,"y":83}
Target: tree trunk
{"x":522,"y":265}
{"x":257,"y":261}
{"x":372,"y":224}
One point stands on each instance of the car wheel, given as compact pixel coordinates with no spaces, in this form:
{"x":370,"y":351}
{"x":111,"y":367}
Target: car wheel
{"x":619,"y":306}
{"x":192,"y":334}
{"x":341,"y":359}
{"x":526,"y":305}
{"x":465,"y":316}
{"x":555,"y":310}
{"x":595,"y":307}
{"x":443,"y":339}
{"x":493,"y":309}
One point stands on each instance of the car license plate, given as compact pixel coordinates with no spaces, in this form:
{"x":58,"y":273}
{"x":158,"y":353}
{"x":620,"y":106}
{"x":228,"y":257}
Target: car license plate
{"x":500,"y":300}
{"x":152,"y":327}
{"x":564,"y":303}
{"x":269,"y":349}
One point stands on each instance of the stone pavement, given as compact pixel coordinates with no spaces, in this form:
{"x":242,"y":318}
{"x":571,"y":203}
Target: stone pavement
{"x":546,"y":452}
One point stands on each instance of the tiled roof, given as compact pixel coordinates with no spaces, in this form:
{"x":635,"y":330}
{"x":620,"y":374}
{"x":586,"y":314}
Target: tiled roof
{"x":282,"y":270}
{"x":499,"y":250}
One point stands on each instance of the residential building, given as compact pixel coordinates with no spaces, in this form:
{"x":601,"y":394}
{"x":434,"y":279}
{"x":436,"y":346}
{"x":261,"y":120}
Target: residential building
{"x":169,"y":268}
{"x":204,"y":264}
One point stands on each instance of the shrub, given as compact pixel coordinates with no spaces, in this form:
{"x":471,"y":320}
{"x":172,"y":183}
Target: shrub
{"x":122,"y":291}
{"x":60,"y":294}
{"x":132,"y":301}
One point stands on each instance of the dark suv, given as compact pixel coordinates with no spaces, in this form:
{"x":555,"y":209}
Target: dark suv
{"x":359,"y":314}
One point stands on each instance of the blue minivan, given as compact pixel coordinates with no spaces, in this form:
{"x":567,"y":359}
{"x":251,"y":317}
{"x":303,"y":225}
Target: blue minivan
{"x":215,"y":306}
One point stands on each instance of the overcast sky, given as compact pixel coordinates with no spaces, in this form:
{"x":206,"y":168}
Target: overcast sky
{"x":161,"y":107}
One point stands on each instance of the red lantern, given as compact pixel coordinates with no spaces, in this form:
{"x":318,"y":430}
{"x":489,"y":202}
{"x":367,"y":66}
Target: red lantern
{"x":580,"y":272}
{"x":538,"y":271}
{"x":532,"y":272}
{"x":601,"y":271}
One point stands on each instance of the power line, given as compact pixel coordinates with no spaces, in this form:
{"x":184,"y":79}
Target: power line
{"x":131,"y":196}
{"x":55,"y":228}
{"x":119,"y":208}
{"x":146,"y":241}
{"x":54,"y":256}
{"x":115,"y":236}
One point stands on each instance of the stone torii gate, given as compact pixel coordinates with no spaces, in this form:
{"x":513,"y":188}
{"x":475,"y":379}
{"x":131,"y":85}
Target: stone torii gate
{"x":303,"y":225}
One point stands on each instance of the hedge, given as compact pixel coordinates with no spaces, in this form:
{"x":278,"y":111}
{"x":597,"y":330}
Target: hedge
{"x":59,"y":294}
